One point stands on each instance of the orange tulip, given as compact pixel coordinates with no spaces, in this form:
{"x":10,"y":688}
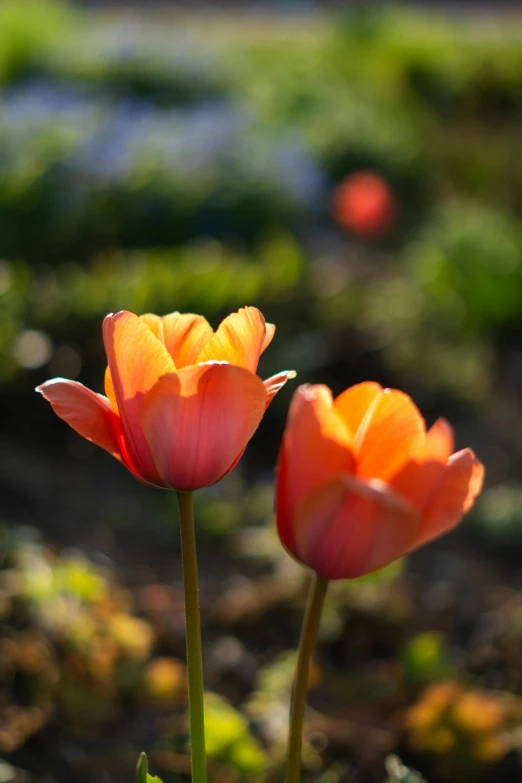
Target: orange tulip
{"x":361,"y":481}
{"x":182,"y":400}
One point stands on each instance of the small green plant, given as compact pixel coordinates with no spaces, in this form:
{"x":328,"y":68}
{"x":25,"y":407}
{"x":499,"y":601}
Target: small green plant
{"x":142,"y":771}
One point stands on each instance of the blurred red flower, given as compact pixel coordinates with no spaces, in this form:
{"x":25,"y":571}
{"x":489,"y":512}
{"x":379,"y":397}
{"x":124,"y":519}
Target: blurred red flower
{"x":364,"y":203}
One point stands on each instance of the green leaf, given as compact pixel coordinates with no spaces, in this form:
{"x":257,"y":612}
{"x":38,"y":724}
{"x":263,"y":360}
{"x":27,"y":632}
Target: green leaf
{"x":142,"y":769}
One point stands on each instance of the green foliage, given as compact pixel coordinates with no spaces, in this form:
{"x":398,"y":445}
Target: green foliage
{"x":498,"y":517}
{"x":28,"y":29}
{"x":228,"y":738}
{"x":425,"y":659}
{"x":469,"y":264}
{"x":398,"y":773}
{"x":71,"y":645}
{"x":110,"y":149}
{"x":7,"y":772}
{"x":142,"y":771}
{"x":202,"y":277}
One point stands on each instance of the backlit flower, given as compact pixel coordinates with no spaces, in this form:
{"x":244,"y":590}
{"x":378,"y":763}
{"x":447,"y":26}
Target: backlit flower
{"x":361,"y":481}
{"x":182,"y":400}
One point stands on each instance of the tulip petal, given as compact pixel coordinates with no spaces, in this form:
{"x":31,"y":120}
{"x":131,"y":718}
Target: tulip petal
{"x":316,"y":446}
{"x":238,"y":340}
{"x":136,"y":360}
{"x":349,"y":528}
{"x":88,"y":413}
{"x":439,"y":441}
{"x":353,"y":404}
{"x":269,"y":336}
{"x":391,"y":431}
{"x":416,"y":480}
{"x":198,"y":420}
{"x":153,"y":321}
{"x":454,"y":495}
{"x":185,"y":335}
{"x":109,"y":390}
{"x":276,"y":382}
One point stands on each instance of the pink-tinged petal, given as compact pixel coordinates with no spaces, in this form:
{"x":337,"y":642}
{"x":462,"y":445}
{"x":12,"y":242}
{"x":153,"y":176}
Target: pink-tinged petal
{"x":269,"y":336}
{"x":349,"y":528}
{"x":454,"y":495}
{"x":390,"y":433}
{"x":276,"y":382}
{"x":198,"y":420}
{"x":88,"y":413}
{"x":353,"y":404}
{"x":416,"y":480}
{"x":185,"y":335}
{"x":238,"y":340}
{"x":316,"y":446}
{"x":136,"y":360}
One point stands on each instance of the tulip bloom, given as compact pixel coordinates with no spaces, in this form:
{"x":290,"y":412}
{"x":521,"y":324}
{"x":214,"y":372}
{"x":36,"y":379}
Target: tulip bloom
{"x":364,"y":203}
{"x":182,"y":400}
{"x":361,"y":481}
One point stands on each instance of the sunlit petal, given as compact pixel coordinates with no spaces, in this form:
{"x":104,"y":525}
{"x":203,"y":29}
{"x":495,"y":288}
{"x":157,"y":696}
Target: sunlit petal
{"x":269,"y":336}
{"x":136,"y":360}
{"x":353,"y":404}
{"x":88,"y":413}
{"x":184,"y":336}
{"x":389,"y":433}
{"x":238,"y":340}
{"x":416,"y":479}
{"x":316,"y":446}
{"x":198,"y":420}
{"x":459,"y":485}
{"x":275,"y":383}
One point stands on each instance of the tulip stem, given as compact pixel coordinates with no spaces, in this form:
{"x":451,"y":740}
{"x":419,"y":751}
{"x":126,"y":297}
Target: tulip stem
{"x":193,"y":635}
{"x":307,"y":642}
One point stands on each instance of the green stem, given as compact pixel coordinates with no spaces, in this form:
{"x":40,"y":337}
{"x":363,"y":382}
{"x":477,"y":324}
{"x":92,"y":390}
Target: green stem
{"x":193,"y":630}
{"x":302,"y":673}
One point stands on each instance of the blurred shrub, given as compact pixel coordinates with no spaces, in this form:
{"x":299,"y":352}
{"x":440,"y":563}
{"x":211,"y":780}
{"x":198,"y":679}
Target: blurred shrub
{"x":92,"y":172}
{"x":425,"y":659}
{"x":127,"y":62}
{"x":498,"y":517}
{"x":468,"y":261}
{"x":269,"y":704}
{"x":46,"y":313}
{"x":117,"y":135}
{"x":70,"y":644}
{"x":28,"y":30}
{"x":463,"y":730}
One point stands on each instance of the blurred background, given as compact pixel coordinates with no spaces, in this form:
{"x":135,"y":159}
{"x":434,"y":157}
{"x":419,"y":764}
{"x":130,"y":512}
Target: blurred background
{"x":354,"y":170}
